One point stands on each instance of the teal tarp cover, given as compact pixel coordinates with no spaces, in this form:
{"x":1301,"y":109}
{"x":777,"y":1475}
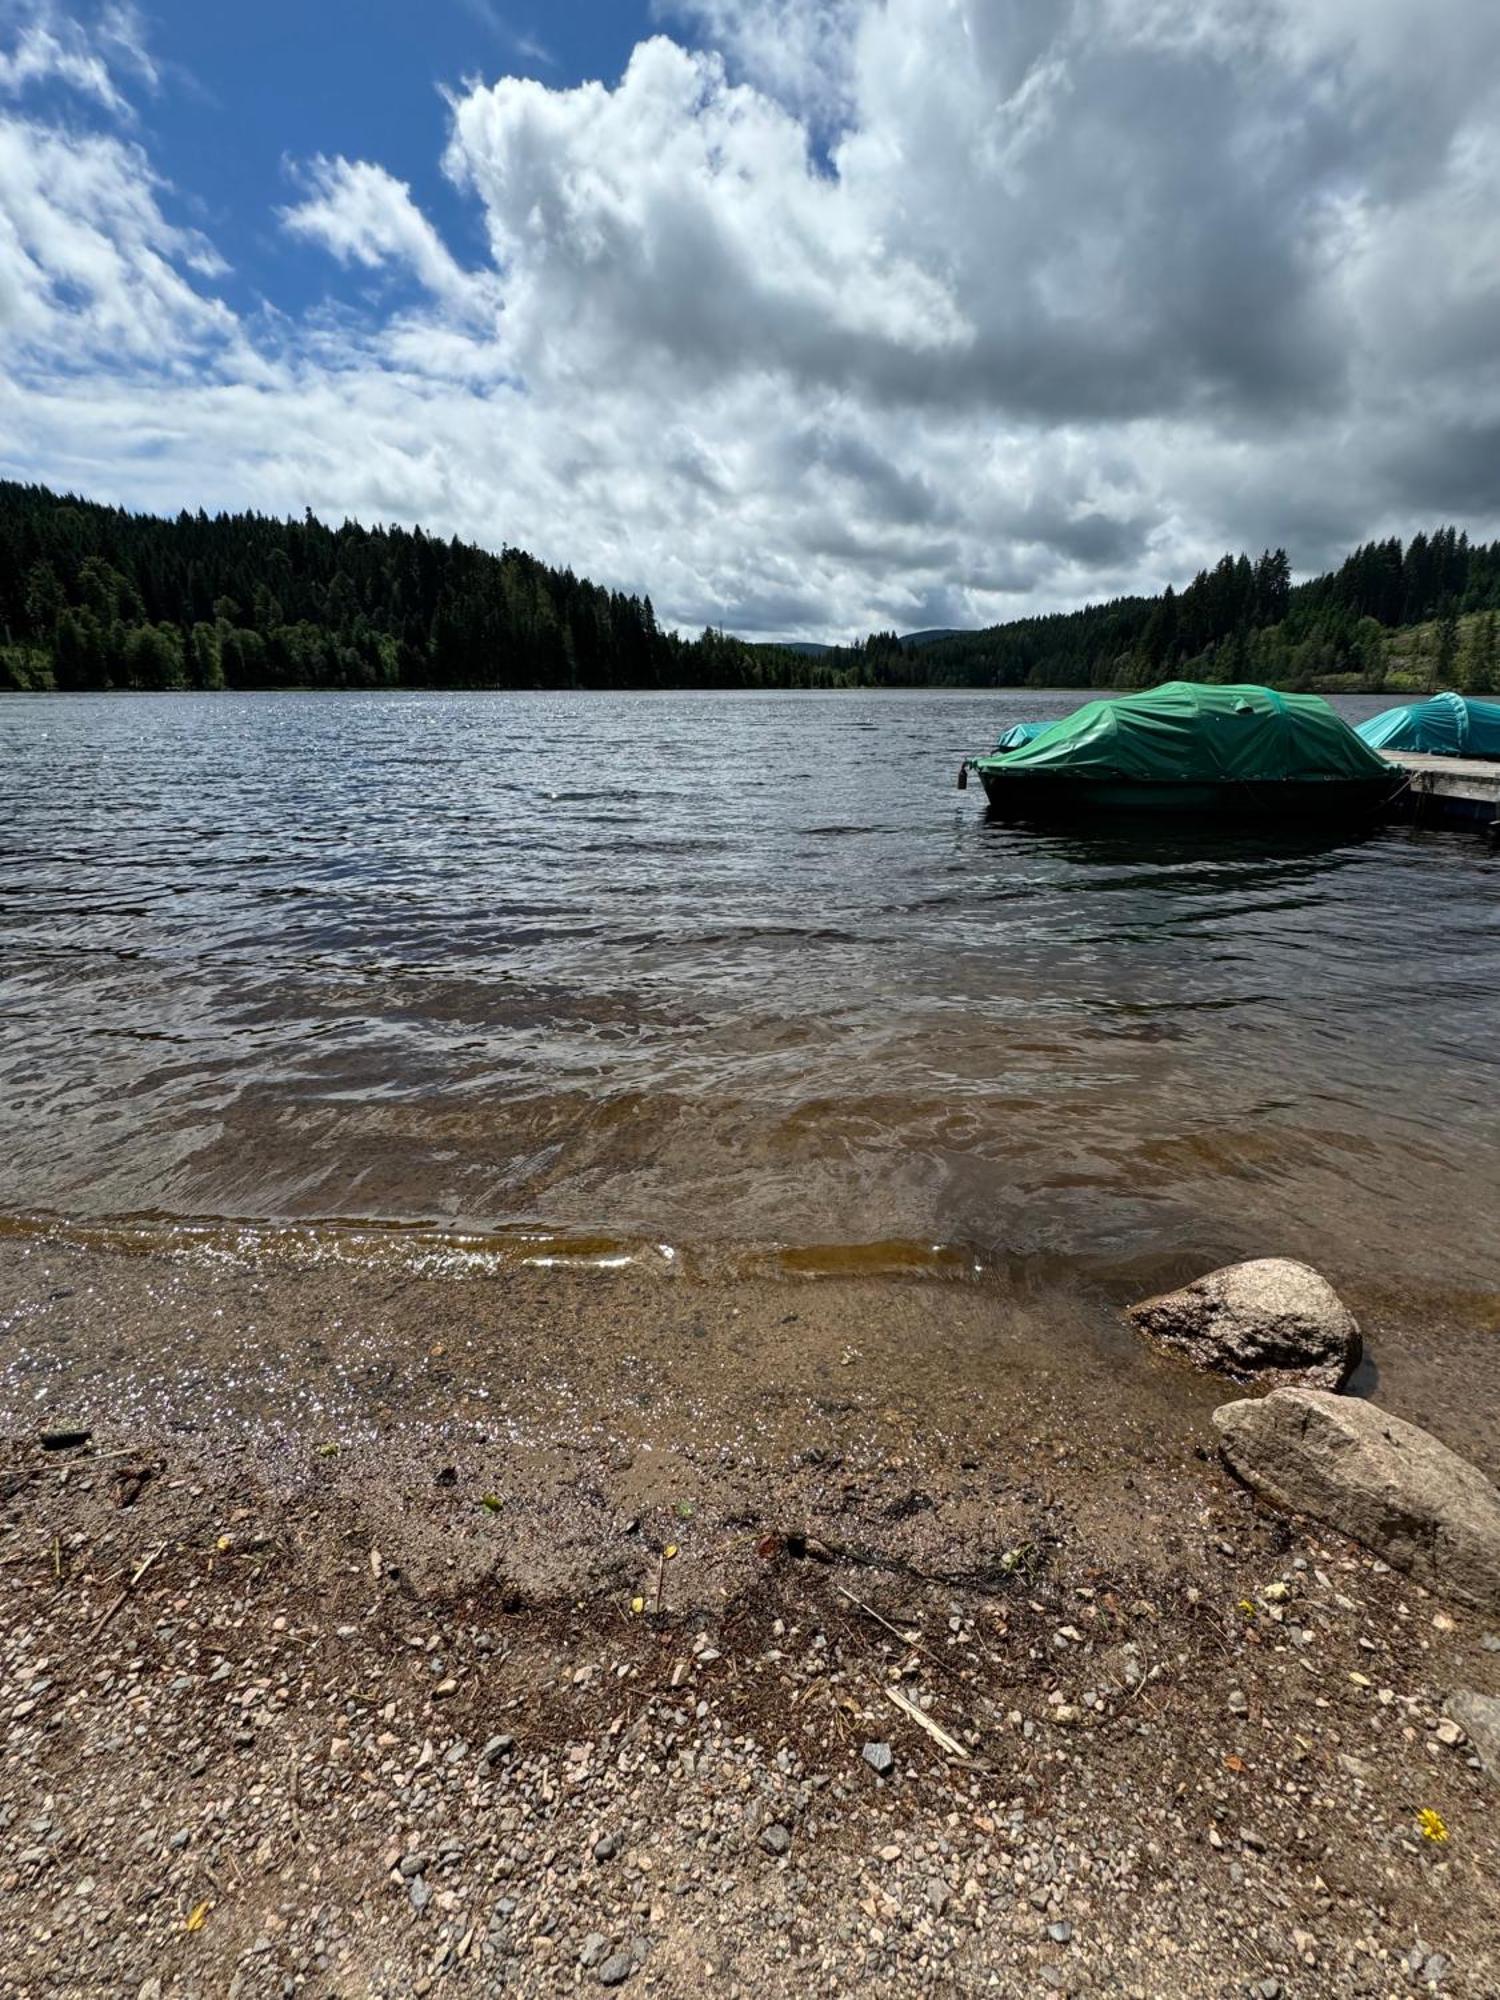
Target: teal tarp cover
{"x":1449,"y":725}
{"x":1187,"y":733}
{"x":1019,"y":733}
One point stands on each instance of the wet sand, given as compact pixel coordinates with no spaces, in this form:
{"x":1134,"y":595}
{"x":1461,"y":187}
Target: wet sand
{"x":675,"y":1538}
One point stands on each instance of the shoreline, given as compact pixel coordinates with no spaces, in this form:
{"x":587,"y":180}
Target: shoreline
{"x":388,"y":1522}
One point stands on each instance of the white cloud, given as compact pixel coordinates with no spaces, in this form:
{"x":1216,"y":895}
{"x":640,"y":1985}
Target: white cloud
{"x":364,"y":215}
{"x":91,"y":271}
{"x":52,"y":47}
{"x":799,"y":51}
{"x":889,"y":312}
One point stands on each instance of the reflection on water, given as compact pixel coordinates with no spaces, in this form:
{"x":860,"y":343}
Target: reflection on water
{"x":700,"y":970}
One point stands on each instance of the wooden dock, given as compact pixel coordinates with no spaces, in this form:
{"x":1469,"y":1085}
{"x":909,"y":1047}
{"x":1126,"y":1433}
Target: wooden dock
{"x":1447,"y":791}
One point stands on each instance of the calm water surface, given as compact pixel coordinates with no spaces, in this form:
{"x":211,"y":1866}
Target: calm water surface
{"x":721,"y":971}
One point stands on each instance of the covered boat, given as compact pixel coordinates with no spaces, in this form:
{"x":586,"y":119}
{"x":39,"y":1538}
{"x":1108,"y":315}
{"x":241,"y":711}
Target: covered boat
{"x":1223,"y":752}
{"x":1446,"y":725}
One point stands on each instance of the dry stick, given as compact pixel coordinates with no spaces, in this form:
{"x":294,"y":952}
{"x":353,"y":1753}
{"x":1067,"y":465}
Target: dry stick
{"x":923,"y":1720}
{"x":916,"y":1645}
{"x":135,"y":1577}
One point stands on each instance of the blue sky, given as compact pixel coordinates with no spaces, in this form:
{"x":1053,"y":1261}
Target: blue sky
{"x":806,"y":316}
{"x":250,"y":90}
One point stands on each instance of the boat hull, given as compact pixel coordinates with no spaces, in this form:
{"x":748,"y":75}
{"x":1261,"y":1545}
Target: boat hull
{"x":1055,"y":795}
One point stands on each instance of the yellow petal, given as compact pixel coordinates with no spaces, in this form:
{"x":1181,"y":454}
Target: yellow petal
{"x":195,"y":1921}
{"x":670,"y":1550}
{"x":637,"y":1605}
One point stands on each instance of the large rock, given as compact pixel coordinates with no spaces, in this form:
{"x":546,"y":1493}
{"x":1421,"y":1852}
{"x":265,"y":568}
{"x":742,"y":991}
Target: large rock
{"x":1478,"y":1716}
{"x":1271,"y":1320}
{"x":1391,"y":1486}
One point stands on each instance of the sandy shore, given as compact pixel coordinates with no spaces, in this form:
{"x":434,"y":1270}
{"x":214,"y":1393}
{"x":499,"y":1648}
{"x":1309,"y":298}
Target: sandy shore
{"x":396,"y":1632}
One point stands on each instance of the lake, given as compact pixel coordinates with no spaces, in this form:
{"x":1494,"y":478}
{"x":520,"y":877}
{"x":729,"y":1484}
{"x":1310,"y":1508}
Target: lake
{"x":739,"y":977}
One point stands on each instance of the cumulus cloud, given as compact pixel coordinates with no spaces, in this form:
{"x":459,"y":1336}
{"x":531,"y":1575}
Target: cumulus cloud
{"x":365,"y":216}
{"x":853,"y":313}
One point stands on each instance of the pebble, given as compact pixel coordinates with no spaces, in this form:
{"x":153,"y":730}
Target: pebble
{"x":419,"y":1893}
{"x":775,"y":1839}
{"x":591,"y":1952}
{"x":1060,"y":1933}
{"x":1448,"y":1732}
{"x":879,"y":1757}
{"x":615,"y":1971}
{"x":607,"y":1846}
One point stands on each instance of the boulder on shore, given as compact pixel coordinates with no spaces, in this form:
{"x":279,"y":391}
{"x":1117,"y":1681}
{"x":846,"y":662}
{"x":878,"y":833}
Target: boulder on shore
{"x":1271,"y":1320}
{"x":1478,"y":1716}
{"x":1384,"y":1482}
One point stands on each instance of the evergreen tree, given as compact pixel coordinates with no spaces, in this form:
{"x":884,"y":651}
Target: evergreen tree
{"x":1447,"y":645}
{"x":1481,"y":664}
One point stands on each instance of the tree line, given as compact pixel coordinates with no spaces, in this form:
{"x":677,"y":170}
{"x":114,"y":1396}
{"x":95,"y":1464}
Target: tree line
{"x":1245,"y":620}
{"x":96,"y":597}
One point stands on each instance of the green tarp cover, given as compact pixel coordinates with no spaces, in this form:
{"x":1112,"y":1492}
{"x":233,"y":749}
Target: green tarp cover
{"x":1449,"y":725}
{"x":1188,"y":733}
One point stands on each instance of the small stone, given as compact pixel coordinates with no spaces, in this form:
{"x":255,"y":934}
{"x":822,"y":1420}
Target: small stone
{"x":496,"y":1748}
{"x":412,"y":1864}
{"x":879,"y":1757}
{"x":591,"y":1952}
{"x":1448,"y":1732}
{"x":1060,"y":1933}
{"x":607,"y":1846}
{"x":615,"y":1971}
{"x":1238,"y":1705}
{"x":939,"y":1895}
{"x":419,"y":1893}
{"x":1434,"y":1968}
{"x":1249,"y":1838}
{"x":775,"y":1839}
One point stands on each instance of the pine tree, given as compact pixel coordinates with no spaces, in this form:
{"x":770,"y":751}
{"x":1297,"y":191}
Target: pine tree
{"x":1447,"y":645}
{"x":1481,"y":666}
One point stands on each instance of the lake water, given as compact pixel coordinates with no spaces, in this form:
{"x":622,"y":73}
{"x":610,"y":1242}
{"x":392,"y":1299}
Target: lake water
{"x":741,"y":976}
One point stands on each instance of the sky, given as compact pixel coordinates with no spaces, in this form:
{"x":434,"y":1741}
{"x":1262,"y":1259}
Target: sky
{"x":807,"y":317}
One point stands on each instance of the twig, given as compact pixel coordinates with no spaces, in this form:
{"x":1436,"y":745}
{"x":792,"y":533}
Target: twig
{"x":135,"y":1576}
{"x":916,"y":1645}
{"x":923,"y":1720}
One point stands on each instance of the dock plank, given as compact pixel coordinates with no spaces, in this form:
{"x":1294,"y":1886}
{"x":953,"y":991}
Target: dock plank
{"x":1457,"y":789}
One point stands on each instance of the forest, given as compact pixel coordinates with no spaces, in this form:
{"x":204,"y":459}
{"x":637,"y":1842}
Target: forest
{"x":1407,"y":616}
{"x":97,"y":597}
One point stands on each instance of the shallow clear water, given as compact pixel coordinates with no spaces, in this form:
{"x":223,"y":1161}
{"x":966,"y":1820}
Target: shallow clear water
{"x":722,"y":970}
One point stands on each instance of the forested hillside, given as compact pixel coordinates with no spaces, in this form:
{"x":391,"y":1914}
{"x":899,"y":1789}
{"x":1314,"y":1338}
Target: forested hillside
{"x":94,"y":597}
{"x":1406,"y":616}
